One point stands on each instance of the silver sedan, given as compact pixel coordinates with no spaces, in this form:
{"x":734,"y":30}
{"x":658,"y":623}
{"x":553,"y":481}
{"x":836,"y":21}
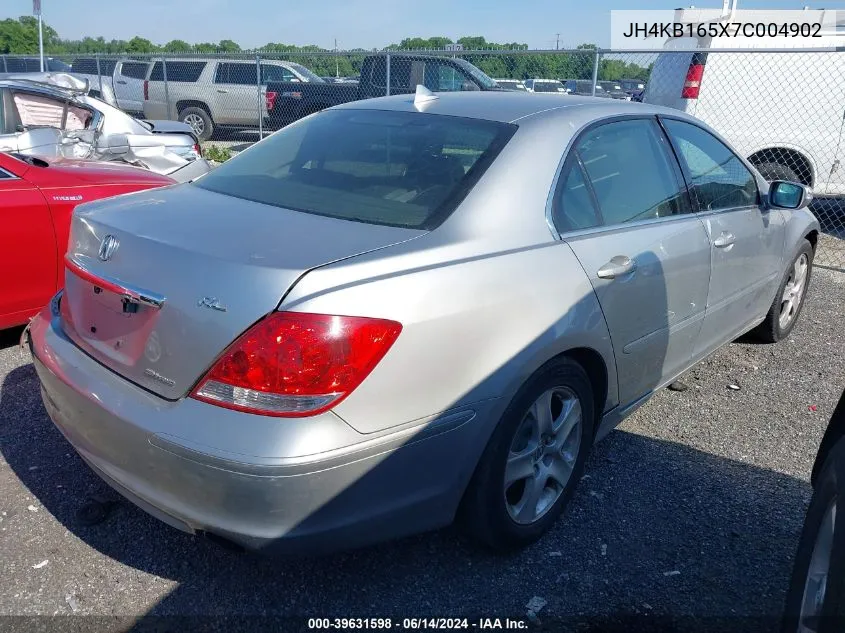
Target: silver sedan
{"x":401,"y":311}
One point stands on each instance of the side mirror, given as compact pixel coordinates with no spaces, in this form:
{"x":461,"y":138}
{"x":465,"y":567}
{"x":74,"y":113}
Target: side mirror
{"x":117,"y":144}
{"x":788,"y":195}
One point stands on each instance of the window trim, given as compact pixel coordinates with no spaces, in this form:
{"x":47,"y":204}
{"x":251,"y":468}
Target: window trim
{"x":668,"y":151}
{"x":697,"y":208}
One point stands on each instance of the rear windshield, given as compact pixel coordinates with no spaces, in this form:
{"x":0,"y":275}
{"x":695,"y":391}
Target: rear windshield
{"x":405,"y":169}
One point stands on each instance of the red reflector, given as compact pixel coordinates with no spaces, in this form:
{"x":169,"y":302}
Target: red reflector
{"x":295,"y":364}
{"x":270,"y":98}
{"x":692,"y":83}
{"x":198,"y":149}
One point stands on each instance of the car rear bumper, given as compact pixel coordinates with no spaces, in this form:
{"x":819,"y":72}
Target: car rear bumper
{"x":314,"y":499}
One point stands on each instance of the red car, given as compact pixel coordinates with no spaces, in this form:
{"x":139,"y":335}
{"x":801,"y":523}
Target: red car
{"x":37,"y":199}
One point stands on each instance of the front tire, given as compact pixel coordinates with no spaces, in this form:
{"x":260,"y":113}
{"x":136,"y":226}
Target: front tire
{"x":785,"y":309}
{"x":199,"y":120}
{"x":816,"y":598}
{"x":534,"y":459}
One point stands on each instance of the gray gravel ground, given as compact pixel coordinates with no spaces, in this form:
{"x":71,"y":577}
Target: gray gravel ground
{"x":689,"y":512}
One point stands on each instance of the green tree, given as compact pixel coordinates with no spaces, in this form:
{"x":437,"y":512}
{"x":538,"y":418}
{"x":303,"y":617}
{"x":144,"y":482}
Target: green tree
{"x":140,"y":45}
{"x":228,"y":46}
{"x":177,"y":46}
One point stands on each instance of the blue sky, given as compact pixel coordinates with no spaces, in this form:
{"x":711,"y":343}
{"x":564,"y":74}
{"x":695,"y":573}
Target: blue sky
{"x":355,"y":23}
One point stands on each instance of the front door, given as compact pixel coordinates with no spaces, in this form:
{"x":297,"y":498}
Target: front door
{"x":622,"y":207}
{"x":28,"y":256}
{"x":746,"y":240}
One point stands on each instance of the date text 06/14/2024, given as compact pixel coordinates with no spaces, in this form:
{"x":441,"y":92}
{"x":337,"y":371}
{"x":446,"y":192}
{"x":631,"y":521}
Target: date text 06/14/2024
{"x":414,"y":624}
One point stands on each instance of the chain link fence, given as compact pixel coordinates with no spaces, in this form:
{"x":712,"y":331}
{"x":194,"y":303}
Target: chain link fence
{"x":784,"y":110}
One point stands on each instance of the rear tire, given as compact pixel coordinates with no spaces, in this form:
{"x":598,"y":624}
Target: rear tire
{"x":535,"y":456}
{"x":816,"y":596}
{"x":777,"y":326}
{"x":777,"y":171}
{"x":199,"y":120}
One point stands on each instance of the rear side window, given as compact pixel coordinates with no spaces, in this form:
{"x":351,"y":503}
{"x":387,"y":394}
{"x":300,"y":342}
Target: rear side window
{"x":231,"y":73}
{"x":717,"y":178}
{"x":630,"y":172}
{"x":573,"y":206}
{"x":134,"y":70}
{"x":178,"y":71}
{"x":15,"y":65}
{"x":391,"y":168}
{"x":271,"y":72}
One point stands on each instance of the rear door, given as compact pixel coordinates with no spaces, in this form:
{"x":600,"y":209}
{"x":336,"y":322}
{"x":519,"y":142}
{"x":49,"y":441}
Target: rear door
{"x":236,"y":93}
{"x":129,"y":85}
{"x":622,"y":206}
{"x":27,"y":250}
{"x":746,"y":240}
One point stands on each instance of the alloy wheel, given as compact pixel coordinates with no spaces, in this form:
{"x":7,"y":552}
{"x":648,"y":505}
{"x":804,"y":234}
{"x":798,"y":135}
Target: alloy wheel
{"x":542,"y":455}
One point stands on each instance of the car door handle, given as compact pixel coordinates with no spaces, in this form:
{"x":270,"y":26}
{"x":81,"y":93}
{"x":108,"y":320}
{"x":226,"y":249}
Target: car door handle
{"x":222,"y":91}
{"x":121,"y":82}
{"x":617,"y":266}
{"x":724,"y":240}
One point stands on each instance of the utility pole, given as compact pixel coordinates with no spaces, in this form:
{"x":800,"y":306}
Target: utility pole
{"x":336,"y":61}
{"x":36,"y":10}
{"x":557,"y":42}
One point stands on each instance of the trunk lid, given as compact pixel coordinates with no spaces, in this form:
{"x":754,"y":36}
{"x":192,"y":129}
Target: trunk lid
{"x":217,"y":263}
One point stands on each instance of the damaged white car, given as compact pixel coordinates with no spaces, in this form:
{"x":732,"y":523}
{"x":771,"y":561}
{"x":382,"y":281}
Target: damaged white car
{"x":56,"y":117}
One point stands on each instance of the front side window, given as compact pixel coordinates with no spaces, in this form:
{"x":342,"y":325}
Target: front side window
{"x":271,"y":72}
{"x":405,"y":169}
{"x":630,"y":172}
{"x":717,"y":178}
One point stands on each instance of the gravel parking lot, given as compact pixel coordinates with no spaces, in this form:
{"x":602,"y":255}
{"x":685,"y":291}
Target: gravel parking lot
{"x":688,"y":518}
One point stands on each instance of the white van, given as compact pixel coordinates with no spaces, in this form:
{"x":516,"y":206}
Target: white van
{"x":784,"y":111}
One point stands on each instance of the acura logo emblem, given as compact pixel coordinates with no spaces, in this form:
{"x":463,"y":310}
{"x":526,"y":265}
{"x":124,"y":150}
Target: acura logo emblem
{"x":107,"y":247}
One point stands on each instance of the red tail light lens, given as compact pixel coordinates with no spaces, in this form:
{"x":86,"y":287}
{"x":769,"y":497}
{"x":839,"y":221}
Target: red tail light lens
{"x":692,"y":83}
{"x":146,"y":90}
{"x":293,"y":364}
{"x":270,"y":98}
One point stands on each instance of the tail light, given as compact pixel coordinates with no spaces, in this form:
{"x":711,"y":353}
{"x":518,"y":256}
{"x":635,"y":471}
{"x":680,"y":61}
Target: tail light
{"x":294,"y":364}
{"x":692,"y":82}
{"x":146,"y":90}
{"x":270,"y":98}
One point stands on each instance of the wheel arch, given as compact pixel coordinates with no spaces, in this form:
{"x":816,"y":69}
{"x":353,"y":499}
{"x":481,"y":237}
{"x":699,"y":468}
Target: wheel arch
{"x":183,"y":104}
{"x":797,"y":159}
{"x":834,"y":433}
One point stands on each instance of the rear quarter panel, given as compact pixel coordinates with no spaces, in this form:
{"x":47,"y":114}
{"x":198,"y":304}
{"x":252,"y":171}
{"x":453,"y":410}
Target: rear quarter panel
{"x":476,"y":323}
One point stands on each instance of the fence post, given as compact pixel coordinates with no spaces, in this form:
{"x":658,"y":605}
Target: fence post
{"x":99,"y":76}
{"x":387,"y":79}
{"x":260,"y":105}
{"x":595,"y":71}
{"x":166,"y":89}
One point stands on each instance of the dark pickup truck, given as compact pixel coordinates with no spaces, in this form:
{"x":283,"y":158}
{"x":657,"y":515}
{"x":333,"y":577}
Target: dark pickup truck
{"x":289,"y":101}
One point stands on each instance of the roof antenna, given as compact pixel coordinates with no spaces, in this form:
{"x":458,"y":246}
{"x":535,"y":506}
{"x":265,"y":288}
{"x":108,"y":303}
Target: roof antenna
{"x":423,"y":96}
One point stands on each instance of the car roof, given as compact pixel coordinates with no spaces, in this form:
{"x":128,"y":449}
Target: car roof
{"x":509,"y":107}
{"x":37,"y":86}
